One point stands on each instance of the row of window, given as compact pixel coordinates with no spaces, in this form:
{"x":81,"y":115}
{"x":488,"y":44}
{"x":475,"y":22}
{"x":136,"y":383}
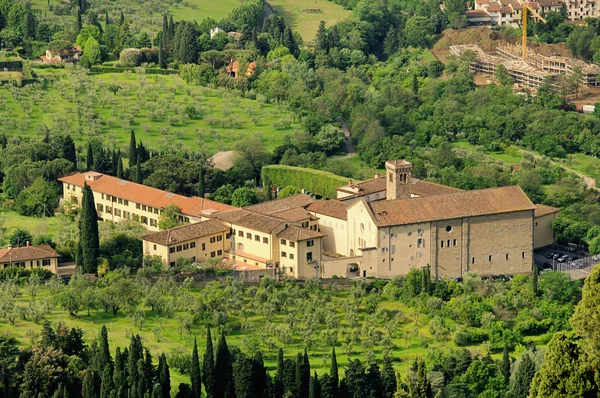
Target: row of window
{"x":284,"y":242}
{"x":490,"y":258}
{"x":142,"y":207}
{"x":185,"y":246}
{"x":249,"y":236}
{"x":284,"y":255}
{"x":38,"y":263}
{"x":448,"y":243}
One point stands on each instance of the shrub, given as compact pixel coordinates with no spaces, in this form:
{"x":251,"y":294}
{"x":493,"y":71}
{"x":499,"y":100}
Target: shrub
{"x":465,"y":337}
{"x":22,"y":273}
{"x":131,"y":57}
{"x":316,"y":181}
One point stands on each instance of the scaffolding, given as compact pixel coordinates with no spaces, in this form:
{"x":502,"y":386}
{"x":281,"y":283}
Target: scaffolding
{"x":533,"y":71}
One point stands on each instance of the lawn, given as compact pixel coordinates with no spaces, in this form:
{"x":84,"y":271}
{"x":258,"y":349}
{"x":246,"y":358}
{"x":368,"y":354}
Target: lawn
{"x":151,"y":105}
{"x":200,"y":9}
{"x":510,"y":155}
{"x":582,"y":163}
{"x":296,"y":13}
{"x":51,"y":226}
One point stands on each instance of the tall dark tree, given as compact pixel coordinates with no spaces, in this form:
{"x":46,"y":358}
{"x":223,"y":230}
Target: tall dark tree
{"x":119,"y":375}
{"x":78,"y":21}
{"x":422,"y":388}
{"x":334,"y":374}
{"x":186,"y":43}
{"x":195,"y":372}
{"x":321,"y":38}
{"x":224,"y":387}
{"x":68,"y":150}
{"x":524,"y":373}
{"x":259,"y":377}
{"x":535,"y":276}
{"x":90,"y":388}
{"x":391,"y":42}
{"x":114,"y":162}
{"x":134,"y":356}
{"x":162,"y":62}
{"x":165,"y":33}
{"x":46,"y":139}
{"x":104,"y":357}
{"x":201,"y":182}
{"x":106,"y":19}
{"x":89,"y":159}
{"x":120,"y":173}
{"x":242,"y":376}
{"x":88,"y":234}
{"x":138,"y":172}
{"x":505,"y":366}
{"x":280,"y":374}
{"x":121,"y":19}
{"x":3,"y":140}
{"x":132,"y":149}
{"x":208,"y":367}
{"x":388,"y":378}
{"x":374,"y":381}
{"x":315,"y":388}
{"x":415,"y":84}
{"x":171,"y":32}
{"x":164,"y":376}
{"x":107,"y":384}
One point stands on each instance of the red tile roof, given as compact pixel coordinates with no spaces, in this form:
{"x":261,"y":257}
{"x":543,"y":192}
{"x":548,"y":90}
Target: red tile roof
{"x":138,"y":193}
{"x":331,"y":208}
{"x":450,"y":206}
{"x":543,"y":210}
{"x":418,"y":187}
{"x":27,"y":253}
{"x":187,"y":232}
{"x":296,"y":234}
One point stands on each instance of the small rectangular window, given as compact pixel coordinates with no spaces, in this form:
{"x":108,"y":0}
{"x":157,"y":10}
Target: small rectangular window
{"x":154,"y":247}
{"x":454,"y":243}
{"x":309,"y":257}
{"x":448,"y":243}
{"x":219,"y":252}
{"x":420,"y":232}
{"x":125,"y":202}
{"x":265,"y":240}
{"x":442,"y":243}
{"x":291,"y":256}
{"x":507,"y":256}
{"x":171,"y":250}
{"x":420,"y":243}
{"x":186,"y":246}
{"x":248,"y":235}
{"x":219,"y":238}
{"x":523,"y":255}
{"x":490,"y":259}
{"x":137,"y":206}
{"x":192,"y":245}
{"x":310,"y":243}
{"x":283,"y":254}
{"x":179,"y":248}
{"x":120,"y":201}
{"x":257,"y":238}
{"x":212,"y":239}
{"x":473,"y":260}
{"x":241,"y":233}
{"x":144,"y":207}
{"x":212,"y":254}
{"x":282,"y":241}
{"x":203,"y":246}
{"x":292,"y":244}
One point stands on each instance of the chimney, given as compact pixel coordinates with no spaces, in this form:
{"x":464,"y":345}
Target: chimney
{"x":398,"y":179}
{"x":303,"y":190}
{"x":377,"y":175}
{"x":27,"y":243}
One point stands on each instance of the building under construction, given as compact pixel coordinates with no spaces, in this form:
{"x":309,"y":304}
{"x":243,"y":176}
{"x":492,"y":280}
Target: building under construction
{"x":532,"y":72}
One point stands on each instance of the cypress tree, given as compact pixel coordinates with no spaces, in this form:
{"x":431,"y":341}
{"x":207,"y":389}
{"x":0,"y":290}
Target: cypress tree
{"x":524,"y":373}
{"x":315,"y":388}
{"x":138,"y":172}
{"x":107,"y":382}
{"x":201,"y":182}
{"x":299,"y":376}
{"x":164,"y":376}
{"x":195,"y":372}
{"x":46,"y":139}
{"x":505,"y":367}
{"x":106,"y":20}
{"x":119,"y":377}
{"x":135,"y":355}
{"x":388,"y":378}
{"x":78,"y":22}
{"x":161,"y":54}
{"x":305,"y":374}
{"x":242,"y":377}
{"x":104,"y":350}
{"x":165,"y":33}
{"x":321,"y":38}
{"x":415,"y":84}
{"x":132,"y":149}
{"x":88,"y":390}
{"x":114,"y":162}
{"x":279,"y":375}
{"x":88,"y":234}
{"x":289,"y":378}
{"x":120,"y":167}
{"x":259,"y":376}
{"x":208,"y":367}
{"x":157,"y":391}
{"x":89,"y":159}
{"x":536,"y":274}
{"x":333,"y":373}
{"x":171,"y":32}
{"x":68,"y":150}
{"x":3,"y":140}
{"x":144,"y":382}
{"x":224,"y":387}
{"x":423,"y":387}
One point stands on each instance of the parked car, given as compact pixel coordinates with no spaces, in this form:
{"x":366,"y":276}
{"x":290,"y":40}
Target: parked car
{"x":550,"y":255}
{"x":562,"y":259}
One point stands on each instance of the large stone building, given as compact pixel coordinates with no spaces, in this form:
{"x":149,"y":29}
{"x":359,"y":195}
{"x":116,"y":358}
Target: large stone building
{"x":381,"y":227}
{"x":509,"y":12}
{"x":28,"y":257}
{"x":117,"y":200}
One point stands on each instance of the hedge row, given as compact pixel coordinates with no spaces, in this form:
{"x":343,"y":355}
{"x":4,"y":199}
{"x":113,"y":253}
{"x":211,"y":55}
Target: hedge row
{"x":19,"y":273}
{"x":11,"y":65}
{"x":314,"y":181}
{"x":115,"y":69}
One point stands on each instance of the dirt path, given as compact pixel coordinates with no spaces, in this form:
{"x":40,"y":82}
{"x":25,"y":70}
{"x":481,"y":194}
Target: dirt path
{"x":589,"y":181}
{"x":349,"y":145}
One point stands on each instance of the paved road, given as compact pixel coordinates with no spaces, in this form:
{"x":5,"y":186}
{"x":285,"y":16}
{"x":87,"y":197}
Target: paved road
{"x":349,"y":145}
{"x":589,"y":181}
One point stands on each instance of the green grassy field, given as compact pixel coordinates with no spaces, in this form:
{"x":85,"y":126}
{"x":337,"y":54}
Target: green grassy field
{"x":51,"y":226}
{"x":582,"y":163}
{"x":296,"y":14}
{"x":151,"y":105}
{"x":508,"y":156}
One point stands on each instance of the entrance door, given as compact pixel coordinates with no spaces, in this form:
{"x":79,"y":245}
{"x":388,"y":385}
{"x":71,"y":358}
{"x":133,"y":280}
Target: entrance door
{"x":364,"y":274}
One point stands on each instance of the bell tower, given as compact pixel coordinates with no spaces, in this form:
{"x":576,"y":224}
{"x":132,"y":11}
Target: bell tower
{"x":398,"y":179}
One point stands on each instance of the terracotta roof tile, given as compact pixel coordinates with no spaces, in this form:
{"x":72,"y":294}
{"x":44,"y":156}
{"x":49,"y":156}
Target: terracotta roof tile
{"x":297,"y":234}
{"x":296,"y":214}
{"x":450,"y":206}
{"x":477,"y":14}
{"x":248,"y":219}
{"x":331,"y":208}
{"x":542,"y":210}
{"x":187,"y":232}
{"x":153,"y":197}
{"x":275,"y":206}
{"x":27,"y":253}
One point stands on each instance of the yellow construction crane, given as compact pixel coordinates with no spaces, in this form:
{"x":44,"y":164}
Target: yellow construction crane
{"x":527,"y":7}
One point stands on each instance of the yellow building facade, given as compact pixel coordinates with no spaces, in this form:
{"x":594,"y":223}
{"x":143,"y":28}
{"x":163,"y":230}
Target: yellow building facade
{"x":29,"y":257}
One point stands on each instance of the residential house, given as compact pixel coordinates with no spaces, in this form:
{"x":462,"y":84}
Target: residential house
{"x":66,"y":55}
{"x":29,"y":257}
